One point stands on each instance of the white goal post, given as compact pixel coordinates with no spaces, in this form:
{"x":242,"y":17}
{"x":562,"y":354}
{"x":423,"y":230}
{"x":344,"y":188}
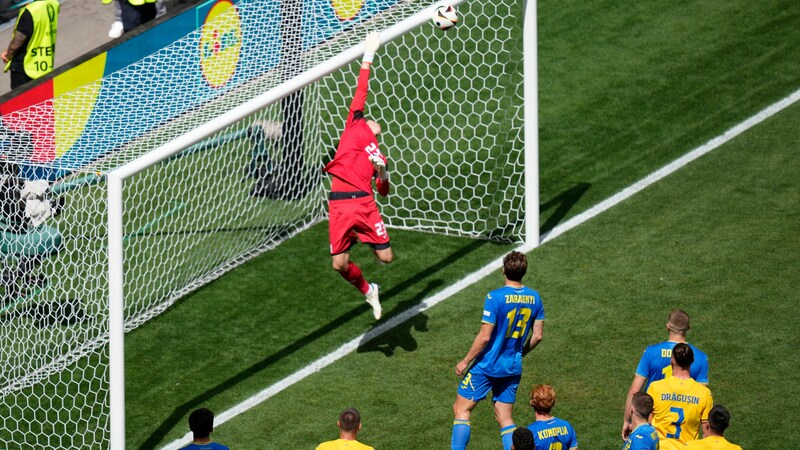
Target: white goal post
{"x":220,"y":173}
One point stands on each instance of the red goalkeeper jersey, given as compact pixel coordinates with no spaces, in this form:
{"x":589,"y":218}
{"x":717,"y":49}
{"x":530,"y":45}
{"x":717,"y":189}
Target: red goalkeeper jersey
{"x":351,"y":163}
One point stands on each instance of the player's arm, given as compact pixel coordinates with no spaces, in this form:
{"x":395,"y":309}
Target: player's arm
{"x":636,"y":386}
{"x":537,"y":334}
{"x":707,"y":405}
{"x":360,"y":97}
{"x":480,"y":342}
{"x":371,"y":45}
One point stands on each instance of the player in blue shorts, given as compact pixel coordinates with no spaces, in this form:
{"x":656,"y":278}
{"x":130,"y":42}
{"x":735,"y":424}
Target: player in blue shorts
{"x":655,"y":363}
{"x":549,"y":432}
{"x":513,"y":324}
{"x":644,"y":436}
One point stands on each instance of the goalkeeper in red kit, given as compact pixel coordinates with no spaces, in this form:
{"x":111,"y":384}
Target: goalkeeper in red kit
{"x":352,"y":211}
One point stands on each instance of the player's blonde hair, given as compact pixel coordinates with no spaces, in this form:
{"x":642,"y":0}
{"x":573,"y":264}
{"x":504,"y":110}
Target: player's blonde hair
{"x":543,"y":398}
{"x":678,"y":321}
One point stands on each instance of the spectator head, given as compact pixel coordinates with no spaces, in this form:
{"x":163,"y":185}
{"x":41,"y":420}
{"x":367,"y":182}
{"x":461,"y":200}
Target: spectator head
{"x":678,"y":322}
{"x":543,"y":398}
{"x":201,"y":422}
{"x":522,"y":439}
{"x":349,"y":420}
{"x":683,"y":355}
{"x":642,"y":405}
{"x":515,"y":264}
{"x":718,"y":419}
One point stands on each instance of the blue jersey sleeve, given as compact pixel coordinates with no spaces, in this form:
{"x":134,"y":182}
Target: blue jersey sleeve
{"x":574,"y":442}
{"x":643,"y":369}
{"x":489,"y":310}
{"x":540,"y":313}
{"x":699,"y":369}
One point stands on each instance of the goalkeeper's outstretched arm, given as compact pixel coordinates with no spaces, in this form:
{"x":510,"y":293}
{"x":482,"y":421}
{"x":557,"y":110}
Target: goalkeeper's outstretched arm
{"x":371,"y":45}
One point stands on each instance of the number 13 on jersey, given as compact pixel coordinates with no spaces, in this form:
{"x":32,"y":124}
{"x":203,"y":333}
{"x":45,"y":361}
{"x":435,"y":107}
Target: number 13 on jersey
{"x":517,"y":322}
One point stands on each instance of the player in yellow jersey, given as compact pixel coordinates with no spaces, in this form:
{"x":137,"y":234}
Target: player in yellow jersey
{"x":349,"y":425}
{"x":680,"y":403}
{"x":654,"y":364}
{"x":713,"y":429}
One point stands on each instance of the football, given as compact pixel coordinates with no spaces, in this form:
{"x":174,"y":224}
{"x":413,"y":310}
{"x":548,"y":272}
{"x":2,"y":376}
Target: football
{"x":445,"y":17}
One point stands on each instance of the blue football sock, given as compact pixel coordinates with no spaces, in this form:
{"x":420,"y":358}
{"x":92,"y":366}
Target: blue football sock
{"x":460,"y":438}
{"x":507,"y":434}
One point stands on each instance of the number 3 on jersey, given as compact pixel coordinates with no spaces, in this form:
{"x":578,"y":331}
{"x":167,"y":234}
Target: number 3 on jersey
{"x":516,"y":328}
{"x":677,"y":422}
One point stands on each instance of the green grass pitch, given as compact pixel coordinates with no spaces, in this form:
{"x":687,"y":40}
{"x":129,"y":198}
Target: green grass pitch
{"x":625,"y":88}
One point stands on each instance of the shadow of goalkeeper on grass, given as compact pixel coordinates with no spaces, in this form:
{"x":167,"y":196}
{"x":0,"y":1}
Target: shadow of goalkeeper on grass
{"x":387,"y":343}
{"x":384,"y":344}
{"x":401,"y":335}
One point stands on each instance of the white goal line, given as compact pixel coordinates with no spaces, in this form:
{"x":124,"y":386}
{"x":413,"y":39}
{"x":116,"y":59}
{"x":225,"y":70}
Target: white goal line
{"x":494,"y":266}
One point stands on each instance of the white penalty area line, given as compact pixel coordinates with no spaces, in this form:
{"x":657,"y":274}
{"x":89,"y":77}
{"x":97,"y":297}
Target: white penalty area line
{"x":494,"y":266}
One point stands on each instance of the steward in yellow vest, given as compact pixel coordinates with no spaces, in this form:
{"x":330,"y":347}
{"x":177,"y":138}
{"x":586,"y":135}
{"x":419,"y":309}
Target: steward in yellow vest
{"x":32,"y":50}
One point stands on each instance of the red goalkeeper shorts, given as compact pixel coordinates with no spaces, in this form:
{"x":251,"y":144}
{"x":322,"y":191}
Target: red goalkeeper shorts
{"x":356,"y":218}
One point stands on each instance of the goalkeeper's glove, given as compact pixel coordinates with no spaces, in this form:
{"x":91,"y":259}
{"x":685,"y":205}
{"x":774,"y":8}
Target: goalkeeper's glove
{"x":371,"y":45}
{"x":380,"y":167}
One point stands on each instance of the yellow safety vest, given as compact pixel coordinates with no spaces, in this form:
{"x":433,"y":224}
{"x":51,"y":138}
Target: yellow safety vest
{"x":40,"y":57}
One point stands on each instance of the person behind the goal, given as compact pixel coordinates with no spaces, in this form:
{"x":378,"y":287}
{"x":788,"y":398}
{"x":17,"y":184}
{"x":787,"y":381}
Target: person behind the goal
{"x":352,"y":211}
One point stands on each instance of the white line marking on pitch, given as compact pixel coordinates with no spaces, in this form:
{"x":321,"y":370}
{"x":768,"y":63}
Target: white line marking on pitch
{"x":495,"y":265}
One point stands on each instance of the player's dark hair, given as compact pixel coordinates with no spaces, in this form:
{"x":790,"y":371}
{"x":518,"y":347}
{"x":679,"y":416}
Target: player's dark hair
{"x":349,"y":420}
{"x":683,"y":355}
{"x":678,"y":321}
{"x":543,"y":398}
{"x":719,"y":418}
{"x":642,"y":404}
{"x":201,"y":422}
{"x":523,"y":439}
{"x":515,"y":264}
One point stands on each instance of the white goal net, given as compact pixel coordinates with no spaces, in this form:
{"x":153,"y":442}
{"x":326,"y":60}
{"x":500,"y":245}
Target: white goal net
{"x":451,"y":108}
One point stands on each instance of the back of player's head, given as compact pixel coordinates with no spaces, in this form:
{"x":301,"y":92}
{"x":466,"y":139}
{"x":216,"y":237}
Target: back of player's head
{"x":678,"y":321}
{"x":642,"y":404}
{"x":349,"y":420}
{"x":523,"y":439}
{"x":683,"y":355}
{"x":719,"y":418}
{"x":201,"y":422}
{"x":515,"y":264}
{"x":543,"y":398}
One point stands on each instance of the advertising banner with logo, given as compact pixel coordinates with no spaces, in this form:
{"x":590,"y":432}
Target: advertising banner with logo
{"x":102,"y":104}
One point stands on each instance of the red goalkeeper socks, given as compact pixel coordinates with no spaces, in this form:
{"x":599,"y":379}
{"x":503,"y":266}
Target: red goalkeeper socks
{"x":353,"y":276}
